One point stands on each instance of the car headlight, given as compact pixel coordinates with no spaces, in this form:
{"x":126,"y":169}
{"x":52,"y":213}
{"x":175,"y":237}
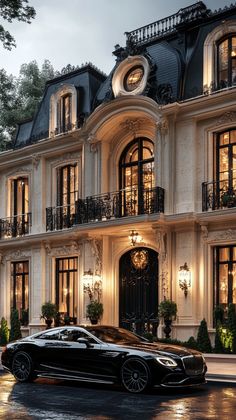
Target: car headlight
{"x":166,"y":361}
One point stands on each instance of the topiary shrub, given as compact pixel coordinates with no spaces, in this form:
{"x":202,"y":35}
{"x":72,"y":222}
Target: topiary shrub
{"x":219,"y":346}
{"x":203,"y":340}
{"x":231,"y":324}
{"x":192,"y":343}
{"x":219,"y":314}
{"x":4,"y":332}
{"x":15,"y":332}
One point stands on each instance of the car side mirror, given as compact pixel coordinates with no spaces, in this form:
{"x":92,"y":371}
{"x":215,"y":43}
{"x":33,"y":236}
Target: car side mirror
{"x":82,"y":340}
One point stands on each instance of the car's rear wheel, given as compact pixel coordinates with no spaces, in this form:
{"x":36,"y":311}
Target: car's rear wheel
{"x":135,"y":375}
{"x":22,"y":367}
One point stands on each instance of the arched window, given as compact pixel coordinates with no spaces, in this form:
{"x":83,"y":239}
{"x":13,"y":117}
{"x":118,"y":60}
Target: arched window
{"x":226,"y":62}
{"x":63,"y":110}
{"x":136,"y":176}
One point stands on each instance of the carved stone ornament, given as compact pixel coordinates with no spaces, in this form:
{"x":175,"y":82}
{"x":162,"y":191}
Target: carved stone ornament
{"x":72,"y":248}
{"x":92,"y":138}
{"x":35,"y":160}
{"x":96,"y":247}
{"x":19,"y":253}
{"x":227,"y":118}
{"x":133,"y":125}
{"x":66,"y":157}
{"x":204,"y":230}
{"x":161,"y":238}
{"x":228,"y":234}
{"x":162,"y":126}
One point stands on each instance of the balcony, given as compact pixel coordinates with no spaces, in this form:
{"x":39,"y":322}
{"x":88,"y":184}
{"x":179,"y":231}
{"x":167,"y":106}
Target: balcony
{"x":15,"y":226}
{"x":218,"y":195}
{"x":108,"y":206}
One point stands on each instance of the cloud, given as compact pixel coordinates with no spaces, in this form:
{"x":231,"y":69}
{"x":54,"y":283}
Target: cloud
{"x":78,"y":31}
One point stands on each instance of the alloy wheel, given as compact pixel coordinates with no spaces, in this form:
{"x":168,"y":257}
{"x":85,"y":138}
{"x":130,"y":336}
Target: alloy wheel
{"x":135,"y":375}
{"x":22,"y":367}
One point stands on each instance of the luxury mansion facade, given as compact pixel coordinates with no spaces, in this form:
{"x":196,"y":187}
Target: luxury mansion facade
{"x":123,"y":187}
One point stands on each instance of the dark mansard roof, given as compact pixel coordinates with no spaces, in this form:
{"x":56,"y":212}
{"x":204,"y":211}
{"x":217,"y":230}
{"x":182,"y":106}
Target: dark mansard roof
{"x":173,"y":47}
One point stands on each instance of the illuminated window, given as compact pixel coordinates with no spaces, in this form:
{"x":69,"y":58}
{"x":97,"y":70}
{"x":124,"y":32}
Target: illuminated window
{"x":20,"y":287}
{"x":20,"y":206}
{"x":226,"y":58}
{"x":225,"y":275}
{"x":67,"y":194}
{"x":133,"y":78}
{"x":225,"y":168}
{"x":66,"y":286}
{"x":137,"y":176}
{"x":64,"y":113}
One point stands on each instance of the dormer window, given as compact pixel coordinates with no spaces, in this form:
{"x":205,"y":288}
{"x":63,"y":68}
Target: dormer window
{"x":64,"y":113}
{"x":226,"y":58}
{"x":63,"y":110}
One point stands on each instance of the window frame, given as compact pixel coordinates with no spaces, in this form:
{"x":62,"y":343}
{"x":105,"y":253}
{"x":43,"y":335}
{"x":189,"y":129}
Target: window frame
{"x":74,"y":296}
{"x":14,"y":274}
{"x":230,"y":59}
{"x":216,"y":273}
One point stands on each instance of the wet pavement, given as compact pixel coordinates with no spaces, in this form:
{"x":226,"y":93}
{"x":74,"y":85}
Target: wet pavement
{"x":51,"y":400}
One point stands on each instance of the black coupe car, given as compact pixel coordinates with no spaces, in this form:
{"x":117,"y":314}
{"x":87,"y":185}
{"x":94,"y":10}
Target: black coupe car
{"x":105,"y":355}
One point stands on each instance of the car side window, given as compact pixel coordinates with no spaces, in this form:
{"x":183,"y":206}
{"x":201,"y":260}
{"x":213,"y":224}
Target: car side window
{"x":71,"y":334}
{"x":49,"y":335}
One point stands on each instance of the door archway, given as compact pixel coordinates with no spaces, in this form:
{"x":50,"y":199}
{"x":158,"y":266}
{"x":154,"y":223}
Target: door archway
{"x":138,"y":290}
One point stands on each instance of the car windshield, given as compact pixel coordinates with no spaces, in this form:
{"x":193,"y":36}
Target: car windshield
{"x":115,"y":335}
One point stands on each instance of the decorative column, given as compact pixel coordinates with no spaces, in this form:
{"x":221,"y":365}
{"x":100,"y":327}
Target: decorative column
{"x":161,"y":238}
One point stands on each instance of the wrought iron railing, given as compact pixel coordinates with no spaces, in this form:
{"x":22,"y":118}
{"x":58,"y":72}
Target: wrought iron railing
{"x":60,"y":217}
{"x":141,"y":324}
{"x":14,"y":226}
{"x":102,"y":207}
{"x":169,"y":24}
{"x":218,"y":195}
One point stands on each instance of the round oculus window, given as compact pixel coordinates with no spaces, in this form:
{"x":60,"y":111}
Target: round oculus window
{"x":133,"y":78}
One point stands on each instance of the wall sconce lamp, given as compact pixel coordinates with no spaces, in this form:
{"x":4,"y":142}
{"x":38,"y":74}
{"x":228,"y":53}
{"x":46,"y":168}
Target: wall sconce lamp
{"x":135,"y":238}
{"x":184,"y":278}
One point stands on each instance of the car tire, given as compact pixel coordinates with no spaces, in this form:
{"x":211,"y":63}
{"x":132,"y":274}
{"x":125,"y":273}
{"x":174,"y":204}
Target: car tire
{"x":22,"y":367}
{"x":135,"y":375}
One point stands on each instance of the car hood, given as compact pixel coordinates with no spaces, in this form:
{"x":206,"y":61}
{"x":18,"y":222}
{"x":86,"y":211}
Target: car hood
{"x":161,"y":348}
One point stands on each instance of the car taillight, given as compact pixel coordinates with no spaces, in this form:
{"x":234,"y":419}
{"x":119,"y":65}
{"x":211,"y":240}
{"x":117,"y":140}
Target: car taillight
{"x":4,"y":349}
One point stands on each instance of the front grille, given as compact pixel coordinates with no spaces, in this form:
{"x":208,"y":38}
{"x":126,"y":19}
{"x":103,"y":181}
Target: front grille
{"x":193,"y":365}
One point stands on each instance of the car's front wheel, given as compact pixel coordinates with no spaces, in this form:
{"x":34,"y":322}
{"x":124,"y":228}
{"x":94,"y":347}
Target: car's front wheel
{"x":135,"y":375}
{"x":22,"y":367}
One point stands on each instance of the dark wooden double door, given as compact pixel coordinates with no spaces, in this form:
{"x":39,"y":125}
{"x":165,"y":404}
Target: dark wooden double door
{"x":138,"y":289}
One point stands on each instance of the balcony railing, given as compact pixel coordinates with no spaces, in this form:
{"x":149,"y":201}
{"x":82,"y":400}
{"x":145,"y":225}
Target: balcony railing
{"x":14,"y":226}
{"x":102,"y":207}
{"x":169,"y":24}
{"x":218,"y":195}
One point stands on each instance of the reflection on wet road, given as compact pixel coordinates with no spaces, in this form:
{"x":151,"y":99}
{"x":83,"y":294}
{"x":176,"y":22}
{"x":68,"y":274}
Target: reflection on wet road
{"x":58,"y":400}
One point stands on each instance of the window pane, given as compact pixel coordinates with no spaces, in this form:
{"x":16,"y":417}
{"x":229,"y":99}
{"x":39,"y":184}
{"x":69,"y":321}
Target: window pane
{"x":224,"y":162}
{"x":233,"y":136}
{"x":223,"y":284}
{"x":224,"y":138}
{"x":234,"y":283}
{"x":224,"y":254}
{"x":223,"y":61}
{"x":148,"y":175}
{"x":234,"y":71}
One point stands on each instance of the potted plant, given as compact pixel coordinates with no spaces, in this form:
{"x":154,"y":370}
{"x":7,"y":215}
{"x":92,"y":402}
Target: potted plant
{"x":24,"y":317}
{"x":49,"y":313}
{"x":94,"y":311}
{"x":167,"y":311}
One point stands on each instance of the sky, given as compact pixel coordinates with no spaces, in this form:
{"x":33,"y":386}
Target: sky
{"x":79,"y":31}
